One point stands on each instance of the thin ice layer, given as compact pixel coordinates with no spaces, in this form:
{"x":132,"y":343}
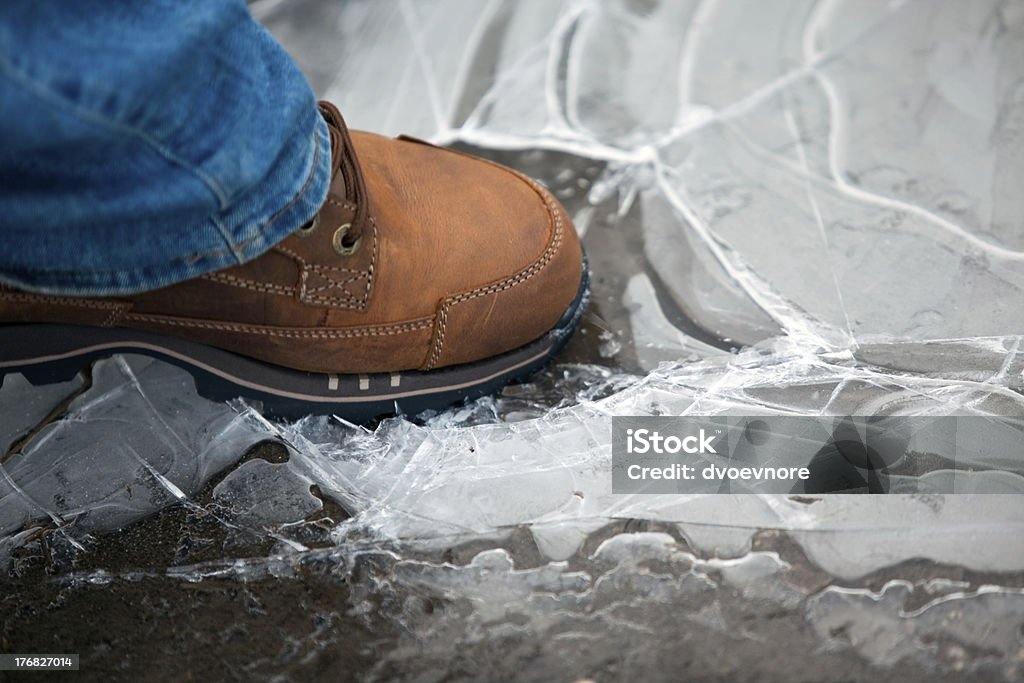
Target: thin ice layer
{"x":139,"y":439}
{"x":434,"y":485}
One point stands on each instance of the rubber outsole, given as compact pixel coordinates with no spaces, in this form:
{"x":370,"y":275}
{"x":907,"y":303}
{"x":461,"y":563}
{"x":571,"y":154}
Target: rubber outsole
{"x":47,"y":353}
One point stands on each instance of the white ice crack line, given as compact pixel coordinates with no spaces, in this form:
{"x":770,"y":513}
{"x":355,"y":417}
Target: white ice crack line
{"x":754,"y":98}
{"x":573,"y":59}
{"x":1011,"y":355}
{"x":698,"y":19}
{"x":561,"y":137}
{"x":129,"y":374}
{"x":813,"y":58}
{"x":466,"y":63}
{"x":559,"y":49}
{"x":514,"y":141}
{"x":54,"y":517}
{"x":568,"y":140}
{"x":796,"y":323}
{"x":501,"y":79}
{"x":802,"y":155}
{"x":836,"y":392}
{"x":433,"y":94}
{"x":182,"y":498}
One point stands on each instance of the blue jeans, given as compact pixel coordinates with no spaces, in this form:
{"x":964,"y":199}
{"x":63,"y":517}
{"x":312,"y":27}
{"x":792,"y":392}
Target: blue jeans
{"x":144,"y":143}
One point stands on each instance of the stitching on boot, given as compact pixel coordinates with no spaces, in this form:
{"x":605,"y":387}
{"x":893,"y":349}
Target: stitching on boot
{"x":115,"y":316}
{"x":27,"y":298}
{"x":342,"y":204}
{"x":346,"y":281}
{"x":371,"y":269}
{"x":439,"y":330}
{"x":245,"y":283}
{"x":348,"y":298}
{"x":290,"y":333}
{"x":522,"y":276}
{"x":534,"y":268}
{"x":348,"y":301}
{"x":316,"y":266}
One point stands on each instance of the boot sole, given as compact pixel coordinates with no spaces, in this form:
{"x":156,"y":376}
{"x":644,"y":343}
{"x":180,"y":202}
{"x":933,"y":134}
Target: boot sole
{"x":47,"y":353}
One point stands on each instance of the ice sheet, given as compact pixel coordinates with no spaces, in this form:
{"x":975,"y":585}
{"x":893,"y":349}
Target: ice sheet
{"x":135,"y":441}
{"x":802,"y":208}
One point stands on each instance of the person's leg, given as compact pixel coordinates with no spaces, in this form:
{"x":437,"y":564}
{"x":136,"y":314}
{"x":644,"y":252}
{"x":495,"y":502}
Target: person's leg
{"x":186,"y":143}
{"x":142,"y":144}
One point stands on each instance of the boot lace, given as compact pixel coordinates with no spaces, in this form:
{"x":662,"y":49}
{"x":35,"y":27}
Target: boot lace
{"x":348,"y":237}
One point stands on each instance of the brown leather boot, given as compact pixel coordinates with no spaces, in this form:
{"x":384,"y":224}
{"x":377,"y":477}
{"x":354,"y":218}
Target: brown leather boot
{"x":428,"y":276}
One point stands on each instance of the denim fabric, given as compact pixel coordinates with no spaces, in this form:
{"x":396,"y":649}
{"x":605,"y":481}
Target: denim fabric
{"x":144,"y":143}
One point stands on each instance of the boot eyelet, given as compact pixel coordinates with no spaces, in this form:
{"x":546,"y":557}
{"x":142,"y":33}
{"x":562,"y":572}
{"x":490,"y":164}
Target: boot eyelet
{"x":308,"y":229}
{"x":341,"y":243}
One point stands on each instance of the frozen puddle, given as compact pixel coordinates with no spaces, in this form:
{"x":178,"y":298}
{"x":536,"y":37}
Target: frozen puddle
{"x":809,"y":208}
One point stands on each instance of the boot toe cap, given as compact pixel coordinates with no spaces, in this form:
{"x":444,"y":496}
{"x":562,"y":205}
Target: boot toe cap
{"x":521,"y":304}
{"x":484,"y":249}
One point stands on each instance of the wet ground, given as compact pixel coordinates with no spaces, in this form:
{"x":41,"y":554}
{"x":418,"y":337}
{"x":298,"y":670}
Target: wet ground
{"x":799,"y":208}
